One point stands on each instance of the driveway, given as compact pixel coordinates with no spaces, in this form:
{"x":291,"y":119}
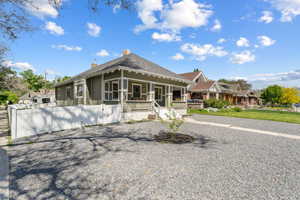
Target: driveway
{"x":123,"y":162}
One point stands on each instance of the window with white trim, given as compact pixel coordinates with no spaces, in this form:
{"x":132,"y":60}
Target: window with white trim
{"x":112,"y":90}
{"x":79,"y":90}
{"x":136,"y":91}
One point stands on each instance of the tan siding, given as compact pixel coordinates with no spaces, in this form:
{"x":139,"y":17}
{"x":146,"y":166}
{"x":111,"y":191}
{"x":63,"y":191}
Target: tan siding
{"x":61,"y":95}
{"x":94,"y":90}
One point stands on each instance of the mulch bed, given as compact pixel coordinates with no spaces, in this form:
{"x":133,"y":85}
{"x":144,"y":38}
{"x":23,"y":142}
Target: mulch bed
{"x":176,"y":138}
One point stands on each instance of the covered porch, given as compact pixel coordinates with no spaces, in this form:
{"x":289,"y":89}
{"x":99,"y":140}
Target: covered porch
{"x":134,"y":91}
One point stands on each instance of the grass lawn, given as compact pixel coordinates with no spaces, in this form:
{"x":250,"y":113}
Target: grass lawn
{"x":256,"y":114}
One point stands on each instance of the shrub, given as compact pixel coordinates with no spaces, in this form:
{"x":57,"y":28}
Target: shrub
{"x":214,"y":103}
{"x":8,"y":96}
{"x":237,"y":109}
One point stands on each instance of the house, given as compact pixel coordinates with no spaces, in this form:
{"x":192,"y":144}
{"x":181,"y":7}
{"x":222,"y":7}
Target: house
{"x":42,"y":97}
{"x":135,"y":83}
{"x":202,"y":89}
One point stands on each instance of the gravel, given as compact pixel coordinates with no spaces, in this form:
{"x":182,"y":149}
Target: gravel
{"x":123,"y":162}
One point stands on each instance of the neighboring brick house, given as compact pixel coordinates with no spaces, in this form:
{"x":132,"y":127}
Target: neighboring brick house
{"x":202,"y":88}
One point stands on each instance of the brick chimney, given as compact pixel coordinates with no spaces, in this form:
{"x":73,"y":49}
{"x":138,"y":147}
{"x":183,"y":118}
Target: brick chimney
{"x":93,"y":65}
{"x":126,"y":52}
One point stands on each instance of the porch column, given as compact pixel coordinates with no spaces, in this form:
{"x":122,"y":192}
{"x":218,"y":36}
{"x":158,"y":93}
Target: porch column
{"x":85,"y":90}
{"x":102,"y":88}
{"x":217,"y":96}
{"x":122,"y":90}
{"x":207,"y":95}
{"x":169,"y":95}
{"x":151,"y":92}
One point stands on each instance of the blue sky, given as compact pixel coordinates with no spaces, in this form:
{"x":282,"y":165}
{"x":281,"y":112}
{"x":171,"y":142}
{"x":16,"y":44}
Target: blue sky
{"x":257,"y":40}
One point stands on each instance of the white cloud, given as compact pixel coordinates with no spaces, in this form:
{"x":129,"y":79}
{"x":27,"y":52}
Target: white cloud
{"x":102,"y":53}
{"x":173,"y":16}
{"x":19,"y":65}
{"x":267,"y":17}
{"x":288,"y":79}
{"x":178,"y":56}
{"x":242,"y":57}
{"x":67,"y":48}
{"x":281,"y":76}
{"x":265,"y":41}
{"x":217,"y":26}
{"x":41,"y":8}
{"x":221,"y":40}
{"x":93,"y":29}
{"x":289,"y":8}
{"x":243,"y":42}
{"x":201,"y":52}
{"x":146,"y":9}
{"x":165,"y":37}
{"x":54,"y":29}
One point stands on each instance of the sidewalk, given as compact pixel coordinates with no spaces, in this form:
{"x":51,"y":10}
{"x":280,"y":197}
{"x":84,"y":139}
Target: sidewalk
{"x":4,"y":175}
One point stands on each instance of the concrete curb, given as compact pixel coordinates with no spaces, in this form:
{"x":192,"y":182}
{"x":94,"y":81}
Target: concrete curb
{"x":4,"y":175}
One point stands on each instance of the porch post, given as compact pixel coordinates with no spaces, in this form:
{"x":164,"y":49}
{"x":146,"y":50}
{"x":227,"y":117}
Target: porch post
{"x":207,"y":95}
{"x":151,"y":92}
{"x":84,"y":91}
{"x":169,"y":96}
{"x":122,"y":89}
{"x":102,"y":88}
{"x":217,"y":96}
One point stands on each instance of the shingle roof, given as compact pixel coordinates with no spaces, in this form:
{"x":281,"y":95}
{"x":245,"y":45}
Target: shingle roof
{"x":203,"y":85}
{"x":130,"y":61}
{"x":190,"y":75}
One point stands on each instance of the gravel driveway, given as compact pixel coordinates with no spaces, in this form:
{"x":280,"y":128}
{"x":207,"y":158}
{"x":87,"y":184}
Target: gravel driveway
{"x":123,"y":162}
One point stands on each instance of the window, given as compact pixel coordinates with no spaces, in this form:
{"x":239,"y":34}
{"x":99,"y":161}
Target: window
{"x":112,"y":90}
{"x":79,"y":90}
{"x":69,"y":92}
{"x":115,"y":90}
{"x":45,"y":100}
{"x":136,"y":91}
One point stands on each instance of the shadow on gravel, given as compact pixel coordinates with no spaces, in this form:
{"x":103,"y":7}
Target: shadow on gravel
{"x":56,"y":160}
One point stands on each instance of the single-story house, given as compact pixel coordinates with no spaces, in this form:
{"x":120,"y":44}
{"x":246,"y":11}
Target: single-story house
{"x":202,"y":88}
{"x":43,"y":96}
{"x":135,"y":83}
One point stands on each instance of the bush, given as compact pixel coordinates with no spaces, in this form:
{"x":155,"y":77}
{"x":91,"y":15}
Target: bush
{"x":237,"y":109}
{"x":8,"y":97}
{"x":214,"y":103}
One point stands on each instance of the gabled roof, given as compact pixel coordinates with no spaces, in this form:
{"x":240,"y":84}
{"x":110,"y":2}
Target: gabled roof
{"x":129,"y":62}
{"x":203,"y":85}
{"x":190,"y":75}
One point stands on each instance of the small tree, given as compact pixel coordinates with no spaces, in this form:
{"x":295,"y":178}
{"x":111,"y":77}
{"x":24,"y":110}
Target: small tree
{"x":272,"y":94}
{"x":34,"y":82}
{"x":290,"y":96}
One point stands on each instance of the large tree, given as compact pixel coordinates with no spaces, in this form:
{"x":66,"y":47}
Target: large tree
{"x":272,"y":94}
{"x":7,"y":78}
{"x":290,"y":96}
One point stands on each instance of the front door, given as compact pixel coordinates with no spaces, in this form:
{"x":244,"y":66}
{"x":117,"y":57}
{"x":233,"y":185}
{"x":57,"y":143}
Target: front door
{"x":158,"y":95}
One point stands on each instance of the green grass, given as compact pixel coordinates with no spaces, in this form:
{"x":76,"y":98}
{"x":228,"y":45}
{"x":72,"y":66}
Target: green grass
{"x":280,"y":116}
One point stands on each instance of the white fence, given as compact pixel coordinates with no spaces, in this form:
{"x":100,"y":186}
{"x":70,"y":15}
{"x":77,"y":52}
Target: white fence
{"x":29,"y":122}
